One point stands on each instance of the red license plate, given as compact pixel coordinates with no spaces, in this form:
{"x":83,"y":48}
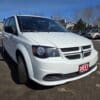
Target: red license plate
{"x":84,"y":68}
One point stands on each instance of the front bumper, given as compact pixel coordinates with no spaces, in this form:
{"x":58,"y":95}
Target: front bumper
{"x":48,"y":66}
{"x":54,"y":83}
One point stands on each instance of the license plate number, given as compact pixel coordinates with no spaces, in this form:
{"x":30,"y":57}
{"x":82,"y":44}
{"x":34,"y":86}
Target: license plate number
{"x":84,"y":68}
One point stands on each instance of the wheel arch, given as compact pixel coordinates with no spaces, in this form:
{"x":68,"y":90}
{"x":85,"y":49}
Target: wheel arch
{"x":24,"y":52}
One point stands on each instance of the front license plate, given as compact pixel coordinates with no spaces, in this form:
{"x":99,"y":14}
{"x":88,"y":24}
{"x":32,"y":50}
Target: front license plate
{"x":83,"y":68}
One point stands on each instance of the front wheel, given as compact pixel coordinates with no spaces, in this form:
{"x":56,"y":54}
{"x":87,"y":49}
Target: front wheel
{"x":3,"y":50}
{"x":22,"y":71}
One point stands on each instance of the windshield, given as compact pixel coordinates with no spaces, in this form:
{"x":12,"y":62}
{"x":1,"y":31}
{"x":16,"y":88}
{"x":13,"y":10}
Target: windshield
{"x":37,"y":24}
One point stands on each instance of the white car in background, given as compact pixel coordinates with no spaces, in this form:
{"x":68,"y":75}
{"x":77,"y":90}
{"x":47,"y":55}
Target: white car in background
{"x":94,"y":34}
{"x":45,"y":52}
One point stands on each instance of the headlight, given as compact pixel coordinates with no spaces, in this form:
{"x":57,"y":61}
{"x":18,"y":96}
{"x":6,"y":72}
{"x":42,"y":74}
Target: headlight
{"x":45,"y":52}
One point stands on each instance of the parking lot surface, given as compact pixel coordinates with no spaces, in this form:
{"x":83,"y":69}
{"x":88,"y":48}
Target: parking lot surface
{"x":87,"y":88}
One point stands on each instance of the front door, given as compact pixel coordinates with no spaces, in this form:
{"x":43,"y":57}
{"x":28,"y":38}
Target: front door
{"x":10,"y":36}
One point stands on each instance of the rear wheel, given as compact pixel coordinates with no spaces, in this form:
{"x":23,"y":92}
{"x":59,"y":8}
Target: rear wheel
{"x":22,"y":72}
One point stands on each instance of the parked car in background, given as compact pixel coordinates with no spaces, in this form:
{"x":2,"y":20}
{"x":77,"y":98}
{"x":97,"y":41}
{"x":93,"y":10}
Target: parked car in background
{"x":93,"y":34}
{"x":45,"y":52}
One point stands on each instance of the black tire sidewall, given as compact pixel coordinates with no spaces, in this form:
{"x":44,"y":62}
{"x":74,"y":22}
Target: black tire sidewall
{"x":22,"y":71}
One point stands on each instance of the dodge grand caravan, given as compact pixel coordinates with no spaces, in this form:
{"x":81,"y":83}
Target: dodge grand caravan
{"x":45,"y":52}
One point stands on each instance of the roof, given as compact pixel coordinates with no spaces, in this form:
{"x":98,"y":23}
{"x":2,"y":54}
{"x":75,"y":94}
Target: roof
{"x":33,"y":16}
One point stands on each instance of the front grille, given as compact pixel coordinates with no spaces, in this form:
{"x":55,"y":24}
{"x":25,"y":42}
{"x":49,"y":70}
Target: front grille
{"x":75,"y":56}
{"x":70,"y":49}
{"x":86,"y":47}
{"x":77,"y":52}
{"x":86,"y":54}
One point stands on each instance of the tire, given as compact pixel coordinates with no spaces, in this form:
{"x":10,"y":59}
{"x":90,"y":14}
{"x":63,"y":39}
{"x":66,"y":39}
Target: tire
{"x":22,"y":71}
{"x":3,"y":50}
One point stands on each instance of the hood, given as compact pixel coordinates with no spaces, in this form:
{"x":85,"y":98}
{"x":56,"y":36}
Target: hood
{"x":57,"y":39}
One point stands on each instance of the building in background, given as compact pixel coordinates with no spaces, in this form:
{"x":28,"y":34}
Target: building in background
{"x":70,"y":25}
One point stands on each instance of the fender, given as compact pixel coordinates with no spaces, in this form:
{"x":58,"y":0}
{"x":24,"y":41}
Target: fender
{"x":27,"y":59}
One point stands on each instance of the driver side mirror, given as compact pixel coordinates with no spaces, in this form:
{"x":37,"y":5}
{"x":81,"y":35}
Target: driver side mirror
{"x":9,"y":29}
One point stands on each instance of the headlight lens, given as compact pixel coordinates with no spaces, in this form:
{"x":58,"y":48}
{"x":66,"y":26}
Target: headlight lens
{"x":45,"y":52}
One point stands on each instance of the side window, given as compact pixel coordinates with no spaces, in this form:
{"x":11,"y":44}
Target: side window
{"x":10,"y":26}
{"x":6,"y":24}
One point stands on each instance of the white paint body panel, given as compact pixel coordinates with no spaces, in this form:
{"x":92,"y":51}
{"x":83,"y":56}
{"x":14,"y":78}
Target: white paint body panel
{"x":60,"y":39}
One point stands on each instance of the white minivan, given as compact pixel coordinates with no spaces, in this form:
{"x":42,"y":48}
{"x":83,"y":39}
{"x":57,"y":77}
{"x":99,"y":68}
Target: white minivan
{"x":45,"y":52}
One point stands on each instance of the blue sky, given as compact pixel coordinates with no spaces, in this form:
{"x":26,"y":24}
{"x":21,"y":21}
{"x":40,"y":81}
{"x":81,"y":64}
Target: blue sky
{"x":65,"y":8}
